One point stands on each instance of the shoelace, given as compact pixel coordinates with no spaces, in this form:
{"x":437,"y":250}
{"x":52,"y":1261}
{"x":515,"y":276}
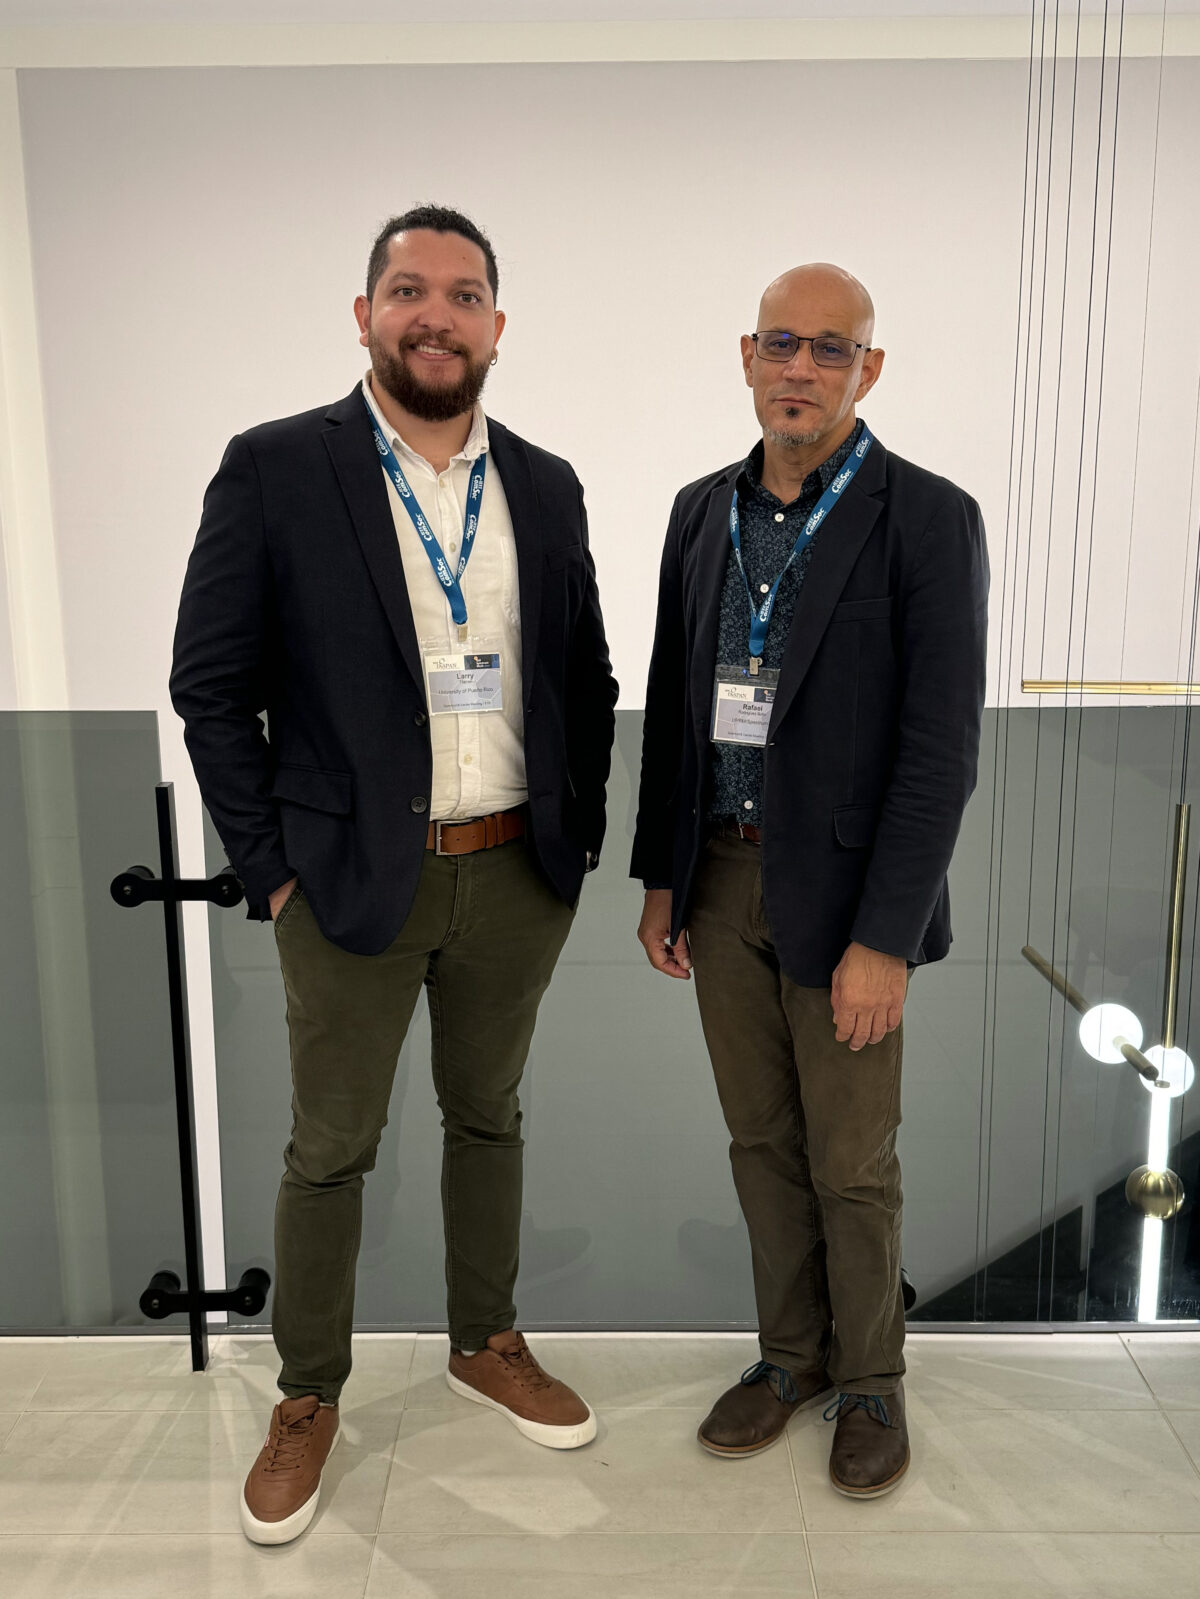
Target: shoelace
{"x":286,"y":1443}
{"x":871,"y":1403}
{"x":779,"y":1379}
{"x":525,"y":1368}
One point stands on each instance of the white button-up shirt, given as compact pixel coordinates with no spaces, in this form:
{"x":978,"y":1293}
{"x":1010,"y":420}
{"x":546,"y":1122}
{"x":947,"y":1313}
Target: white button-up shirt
{"x":478,"y":757}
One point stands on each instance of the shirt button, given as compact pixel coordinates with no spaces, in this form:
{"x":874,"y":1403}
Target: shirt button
{"x":418,"y":803}
{"x":747,"y":805}
{"x":467,"y":760}
{"x":764,"y":588}
{"x":453,"y":547}
{"x":779,"y":516}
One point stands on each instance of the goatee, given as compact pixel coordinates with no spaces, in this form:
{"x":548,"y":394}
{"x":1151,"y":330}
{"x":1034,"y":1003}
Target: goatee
{"x":432,"y":402}
{"x":791,"y":441}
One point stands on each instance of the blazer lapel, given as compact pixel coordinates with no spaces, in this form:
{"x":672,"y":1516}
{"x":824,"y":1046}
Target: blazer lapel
{"x":511,"y":460}
{"x":833,"y":559}
{"x":712,"y":561}
{"x":356,"y":462}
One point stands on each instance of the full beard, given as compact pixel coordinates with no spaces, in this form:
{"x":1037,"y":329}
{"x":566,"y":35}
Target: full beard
{"x":431,"y":402}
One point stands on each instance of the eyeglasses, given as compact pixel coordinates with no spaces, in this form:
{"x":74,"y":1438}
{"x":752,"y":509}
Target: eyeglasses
{"x":828,"y":349}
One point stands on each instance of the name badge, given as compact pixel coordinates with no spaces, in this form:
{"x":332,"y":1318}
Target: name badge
{"x":466,"y":682}
{"x":742,"y":705}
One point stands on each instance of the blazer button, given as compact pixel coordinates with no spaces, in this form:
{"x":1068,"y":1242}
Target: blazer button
{"x":420,"y":719}
{"x":418,"y":803}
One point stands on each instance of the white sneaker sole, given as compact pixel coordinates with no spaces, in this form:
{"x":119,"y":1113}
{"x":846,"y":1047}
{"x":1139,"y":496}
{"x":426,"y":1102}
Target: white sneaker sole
{"x":291,"y":1526}
{"x":539,"y":1432}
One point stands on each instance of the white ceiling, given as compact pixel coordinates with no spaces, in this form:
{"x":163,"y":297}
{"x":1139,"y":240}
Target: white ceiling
{"x":25,"y":13}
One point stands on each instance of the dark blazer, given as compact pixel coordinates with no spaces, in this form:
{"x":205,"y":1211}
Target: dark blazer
{"x":874,"y":737}
{"x":295,"y":605}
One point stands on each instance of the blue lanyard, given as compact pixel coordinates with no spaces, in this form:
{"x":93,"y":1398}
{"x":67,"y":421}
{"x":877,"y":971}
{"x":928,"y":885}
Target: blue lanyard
{"x":450,"y":581}
{"x":760,"y":615}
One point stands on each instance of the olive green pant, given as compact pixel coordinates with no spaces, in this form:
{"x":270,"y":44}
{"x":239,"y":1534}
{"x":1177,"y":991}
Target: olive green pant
{"x":482,"y":938}
{"x":813,"y":1127}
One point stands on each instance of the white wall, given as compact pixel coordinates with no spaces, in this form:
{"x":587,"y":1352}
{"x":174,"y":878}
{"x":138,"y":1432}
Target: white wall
{"x":199,"y":236}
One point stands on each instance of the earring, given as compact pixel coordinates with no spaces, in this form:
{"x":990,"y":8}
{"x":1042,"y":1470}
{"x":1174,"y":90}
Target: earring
{"x":495,"y":357}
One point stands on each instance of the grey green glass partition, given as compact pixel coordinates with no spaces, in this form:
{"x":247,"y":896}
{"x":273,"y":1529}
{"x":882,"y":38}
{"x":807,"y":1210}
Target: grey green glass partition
{"x":1015,"y":1143}
{"x":89,"y":1168}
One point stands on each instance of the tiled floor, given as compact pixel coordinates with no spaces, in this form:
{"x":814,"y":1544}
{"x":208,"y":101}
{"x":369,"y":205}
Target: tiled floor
{"x":1054,"y":1465}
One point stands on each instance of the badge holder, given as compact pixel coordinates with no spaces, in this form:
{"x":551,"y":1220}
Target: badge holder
{"x":742,"y":705}
{"x":462,"y":678}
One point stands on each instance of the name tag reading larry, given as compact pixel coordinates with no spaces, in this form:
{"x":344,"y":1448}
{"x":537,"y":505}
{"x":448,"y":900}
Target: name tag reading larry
{"x":463,"y":682}
{"x":742,"y":705}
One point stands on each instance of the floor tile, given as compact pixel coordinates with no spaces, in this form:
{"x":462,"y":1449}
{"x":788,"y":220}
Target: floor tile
{"x":1004,"y":1565}
{"x":196,"y":1567}
{"x":469,"y":1471}
{"x":247,"y":1369}
{"x":1186,"y":1426}
{"x":687,"y":1370}
{"x":138,"y":1472}
{"x":1012,"y":1471}
{"x":580,"y":1567}
{"x":241,"y":1375}
{"x":129,"y":1374}
{"x":1170,"y":1363}
{"x":22,"y":1368}
{"x":948,"y":1374}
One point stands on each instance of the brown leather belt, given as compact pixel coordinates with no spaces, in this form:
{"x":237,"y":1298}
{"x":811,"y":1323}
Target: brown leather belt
{"x":482,"y":832}
{"x":730,"y":827}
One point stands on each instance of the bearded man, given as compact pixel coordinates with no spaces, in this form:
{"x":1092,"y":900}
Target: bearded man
{"x":405,"y":588}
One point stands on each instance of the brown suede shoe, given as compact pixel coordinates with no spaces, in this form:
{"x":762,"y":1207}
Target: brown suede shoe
{"x":281,"y":1492}
{"x":870,"y":1446}
{"x":753,"y":1414}
{"x":504,"y":1376}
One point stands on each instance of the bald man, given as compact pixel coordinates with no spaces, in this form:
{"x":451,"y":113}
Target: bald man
{"x":811,"y":735}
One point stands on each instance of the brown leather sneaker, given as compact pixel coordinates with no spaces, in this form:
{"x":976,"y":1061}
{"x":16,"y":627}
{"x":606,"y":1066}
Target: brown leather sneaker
{"x":281,"y":1492}
{"x":505,"y":1377}
{"x":754,"y":1413}
{"x":870,"y":1446}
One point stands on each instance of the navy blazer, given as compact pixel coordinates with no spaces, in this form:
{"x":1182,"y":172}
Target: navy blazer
{"x":295,"y":605}
{"x":874,"y":737}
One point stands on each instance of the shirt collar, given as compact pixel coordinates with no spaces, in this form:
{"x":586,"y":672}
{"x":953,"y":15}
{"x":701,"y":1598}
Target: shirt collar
{"x":817,"y":481}
{"x":477,"y":438}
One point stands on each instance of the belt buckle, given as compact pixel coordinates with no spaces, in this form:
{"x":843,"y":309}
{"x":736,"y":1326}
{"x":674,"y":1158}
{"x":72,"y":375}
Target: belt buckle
{"x":437,"y":838}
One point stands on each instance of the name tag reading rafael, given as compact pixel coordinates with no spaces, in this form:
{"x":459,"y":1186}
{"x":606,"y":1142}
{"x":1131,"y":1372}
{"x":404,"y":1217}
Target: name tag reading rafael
{"x":742,"y":705}
{"x":468,"y":682}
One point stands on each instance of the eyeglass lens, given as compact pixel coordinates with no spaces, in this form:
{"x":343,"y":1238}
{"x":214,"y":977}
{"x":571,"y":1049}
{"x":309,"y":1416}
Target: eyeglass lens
{"x":827,"y":350}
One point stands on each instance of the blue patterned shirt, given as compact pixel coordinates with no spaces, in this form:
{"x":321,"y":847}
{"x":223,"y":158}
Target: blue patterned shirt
{"x":769,"y":530}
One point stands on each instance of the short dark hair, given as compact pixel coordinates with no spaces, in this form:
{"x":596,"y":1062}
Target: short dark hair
{"x":438,"y":219}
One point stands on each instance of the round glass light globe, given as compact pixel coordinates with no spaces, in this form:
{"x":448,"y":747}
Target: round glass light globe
{"x":1100,"y":1025}
{"x":1175,"y":1069}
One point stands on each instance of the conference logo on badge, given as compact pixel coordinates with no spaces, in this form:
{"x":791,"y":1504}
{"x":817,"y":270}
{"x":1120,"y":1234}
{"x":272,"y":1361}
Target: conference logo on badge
{"x":839,"y":482}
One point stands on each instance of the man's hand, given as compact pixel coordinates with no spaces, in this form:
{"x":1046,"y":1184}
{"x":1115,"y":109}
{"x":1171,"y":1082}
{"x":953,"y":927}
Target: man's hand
{"x":654,"y":932}
{"x":868,"y":994}
{"x":278,"y":899}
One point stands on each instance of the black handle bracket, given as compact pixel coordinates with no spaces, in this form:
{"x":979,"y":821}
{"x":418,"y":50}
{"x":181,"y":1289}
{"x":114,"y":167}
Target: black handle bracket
{"x":138,"y":885}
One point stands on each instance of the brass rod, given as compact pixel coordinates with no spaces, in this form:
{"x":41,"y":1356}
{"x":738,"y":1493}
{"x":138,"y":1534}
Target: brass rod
{"x":1056,"y":980}
{"x":1076,"y":1000}
{"x":1175,"y":925}
{"x":1095,"y":685}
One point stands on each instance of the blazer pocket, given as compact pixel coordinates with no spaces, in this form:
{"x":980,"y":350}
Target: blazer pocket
{"x":316,"y":790}
{"x":854,"y":825}
{"x":562,"y":555}
{"x":862,"y":610}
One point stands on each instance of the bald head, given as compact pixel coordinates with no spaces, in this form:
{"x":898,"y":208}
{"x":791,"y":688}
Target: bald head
{"x":835,"y":296}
